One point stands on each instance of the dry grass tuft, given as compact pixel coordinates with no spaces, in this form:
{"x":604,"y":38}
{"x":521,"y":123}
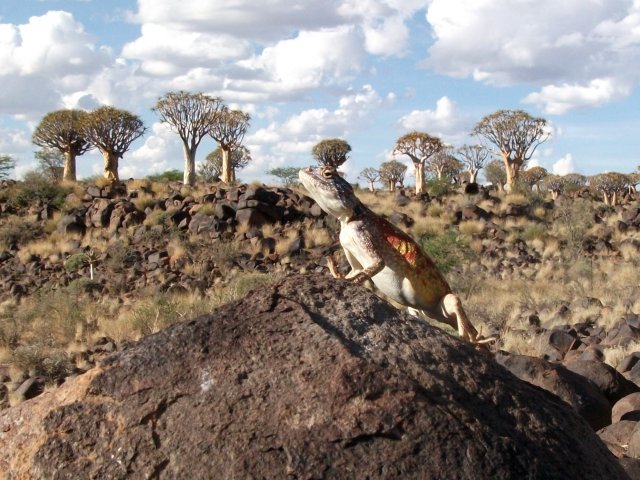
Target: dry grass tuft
{"x":614,"y":355}
{"x":471,"y":227}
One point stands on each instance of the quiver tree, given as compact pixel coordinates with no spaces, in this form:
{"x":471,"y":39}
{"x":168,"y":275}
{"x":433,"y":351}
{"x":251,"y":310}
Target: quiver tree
{"x":112,"y":131}
{"x":610,"y":185}
{"x":288,"y":175}
{"x":533,"y":176}
{"x":51,"y":164}
{"x":443,"y":165}
{"x":515,"y":135}
{"x":229,"y":130}
{"x":371,"y":176}
{"x":495,"y":174}
{"x":191,"y":116}
{"x":211,"y":169}
{"x":563,"y":184}
{"x":392,"y":173}
{"x":62,"y":130}
{"x":474,"y":158}
{"x":419,"y":147}
{"x":331,"y":152}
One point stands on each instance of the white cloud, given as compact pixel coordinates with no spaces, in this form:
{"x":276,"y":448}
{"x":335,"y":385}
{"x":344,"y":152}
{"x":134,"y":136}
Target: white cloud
{"x":557,"y":100}
{"x":564,"y":166}
{"x":290,"y":142}
{"x":46,"y":58}
{"x":264,"y":21}
{"x":583,"y":52}
{"x":165,"y":51}
{"x":444,"y":121}
{"x":311,"y":59}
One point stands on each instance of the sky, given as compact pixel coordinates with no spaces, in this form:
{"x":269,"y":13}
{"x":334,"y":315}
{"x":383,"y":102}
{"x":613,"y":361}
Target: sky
{"x":367,"y":71}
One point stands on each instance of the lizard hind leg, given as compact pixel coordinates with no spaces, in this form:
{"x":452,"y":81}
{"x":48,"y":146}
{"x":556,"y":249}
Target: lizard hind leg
{"x":453,"y":311}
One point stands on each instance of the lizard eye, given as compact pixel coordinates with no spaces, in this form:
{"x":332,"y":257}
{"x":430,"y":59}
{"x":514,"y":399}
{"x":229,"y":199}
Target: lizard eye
{"x":328,"y":172}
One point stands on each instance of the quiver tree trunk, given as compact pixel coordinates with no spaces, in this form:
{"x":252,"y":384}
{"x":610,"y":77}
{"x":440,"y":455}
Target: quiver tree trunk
{"x":513,"y":170}
{"x":69,"y":172}
{"x":110,"y":166}
{"x":189,"y":167}
{"x":227,"y":175}
{"x":419,"y":177}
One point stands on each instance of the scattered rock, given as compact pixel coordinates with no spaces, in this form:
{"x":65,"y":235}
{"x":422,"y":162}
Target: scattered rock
{"x":609,"y":381}
{"x":616,"y":436}
{"x":574,"y":389}
{"x":627,"y":408}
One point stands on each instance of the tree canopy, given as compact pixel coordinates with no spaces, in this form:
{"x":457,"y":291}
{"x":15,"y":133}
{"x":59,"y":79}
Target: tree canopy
{"x":610,"y":185}
{"x":419,"y":147}
{"x":515,"y":135}
{"x":332,"y":152}
{"x":474,"y":157}
{"x":288,"y":175}
{"x":392,"y":173}
{"x":495,"y":173}
{"x":371,"y":176}
{"x":62,"y":130}
{"x":112,"y":131}
{"x":51,"y":164}
{"x":211,"y":169}
{"x":229,"y":130}
{"x":533,"y":176}
{"x":191,"y":116}
{"x":443,"y":165}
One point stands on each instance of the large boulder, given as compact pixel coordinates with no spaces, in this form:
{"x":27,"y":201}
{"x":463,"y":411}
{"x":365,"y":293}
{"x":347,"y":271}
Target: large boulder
{"x":307,"y":378}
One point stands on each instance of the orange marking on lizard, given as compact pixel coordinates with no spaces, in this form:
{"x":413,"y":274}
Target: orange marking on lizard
{"x":401,"y":242}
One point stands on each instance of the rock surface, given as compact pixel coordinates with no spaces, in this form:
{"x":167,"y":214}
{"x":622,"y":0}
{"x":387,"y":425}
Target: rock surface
{"x":576,"y":390}
{"x":307,"y":378}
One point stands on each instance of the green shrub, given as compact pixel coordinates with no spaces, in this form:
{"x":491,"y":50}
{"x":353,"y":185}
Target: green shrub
{"x":447,"y":250}
{"x":533,"y":231}
{"x":75,"y":262}
{"x":167,"y":176}
{"x":438,"y":187}
{"x":84,"y":285}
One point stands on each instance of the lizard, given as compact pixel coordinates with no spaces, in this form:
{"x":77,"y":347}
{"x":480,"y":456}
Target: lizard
{"x":379,"y":251}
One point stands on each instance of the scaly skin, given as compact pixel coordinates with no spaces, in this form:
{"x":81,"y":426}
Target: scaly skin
{"x":379,"y":251}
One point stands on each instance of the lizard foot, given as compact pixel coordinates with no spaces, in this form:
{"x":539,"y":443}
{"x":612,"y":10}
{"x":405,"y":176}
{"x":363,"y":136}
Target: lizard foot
{"x":331,"y":264}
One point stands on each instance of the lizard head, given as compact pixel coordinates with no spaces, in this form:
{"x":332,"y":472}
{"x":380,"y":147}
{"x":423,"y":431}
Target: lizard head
{"x":332,"y":192}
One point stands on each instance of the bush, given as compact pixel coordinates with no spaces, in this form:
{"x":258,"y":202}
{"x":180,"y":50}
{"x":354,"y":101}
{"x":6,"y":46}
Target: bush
{"x":36,"y":189}
{"x":447,"y":251}
{"x":52,"y":364}
{"x":533,"y":231}
{"x":75,"y":262}
{"x":438,"y":187}
{"x":168,"y":176}
{"x":17,"y":231}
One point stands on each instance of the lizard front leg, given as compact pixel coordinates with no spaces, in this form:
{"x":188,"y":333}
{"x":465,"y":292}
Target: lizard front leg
{"x":358,"y":274}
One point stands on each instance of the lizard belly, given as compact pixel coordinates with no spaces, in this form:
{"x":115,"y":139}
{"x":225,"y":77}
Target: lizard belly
{"x":395,"y":286}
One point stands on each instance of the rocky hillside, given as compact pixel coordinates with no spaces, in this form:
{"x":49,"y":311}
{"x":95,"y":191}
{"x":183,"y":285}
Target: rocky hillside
{"x":81,"y":278}
{"x":307,"y":378}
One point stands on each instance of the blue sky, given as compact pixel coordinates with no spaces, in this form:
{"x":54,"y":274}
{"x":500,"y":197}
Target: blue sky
{"x":364,"y":70}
